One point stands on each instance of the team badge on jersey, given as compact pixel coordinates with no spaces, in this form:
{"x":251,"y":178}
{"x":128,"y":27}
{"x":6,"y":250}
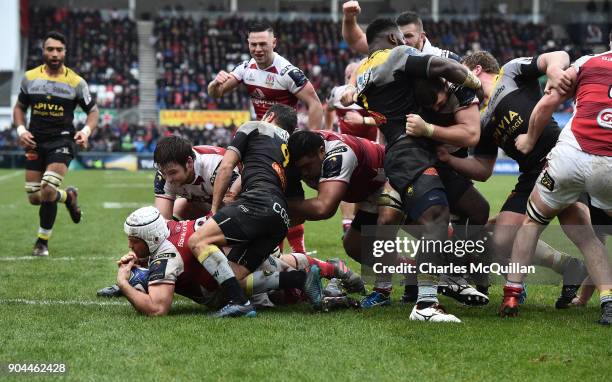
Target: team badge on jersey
{"x":157,"y":270}
{"x":332,"y":166}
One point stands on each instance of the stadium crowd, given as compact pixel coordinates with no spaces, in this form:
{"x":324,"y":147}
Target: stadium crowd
{"x":110,"y":64}
{"x":189,"y":52}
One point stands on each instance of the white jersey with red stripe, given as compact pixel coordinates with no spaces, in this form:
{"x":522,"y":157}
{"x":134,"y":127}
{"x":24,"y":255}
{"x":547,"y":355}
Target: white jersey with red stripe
{"x":277,"y":83}
{"x":352,"y":160}
{"x":358,"y":130}
{"x":591,"y":123}
{"x":207,"y":160}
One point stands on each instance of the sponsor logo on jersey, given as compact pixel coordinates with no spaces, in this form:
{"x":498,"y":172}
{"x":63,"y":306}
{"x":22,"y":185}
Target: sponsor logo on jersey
{"x":258,"y":93}
{"x":547,"y":181}
{"x":280,"y":171}
{"x":282,"y":212}
{"x":604,"y":118}
{"x":337,"y":150}
{"x":379,"y":118}
{"x":161,"y":256}
{"x":430,"y":171}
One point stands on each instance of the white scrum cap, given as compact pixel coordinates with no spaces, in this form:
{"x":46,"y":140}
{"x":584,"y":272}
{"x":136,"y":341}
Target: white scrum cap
{"x":148,"y":224}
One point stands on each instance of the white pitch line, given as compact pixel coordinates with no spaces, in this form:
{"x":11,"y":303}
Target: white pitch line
{"x":7,"y":176}
{"x":28,"y":258}
{"x":128,"y":185}
{"x":116,"y":205}
{"x":24,"y":301}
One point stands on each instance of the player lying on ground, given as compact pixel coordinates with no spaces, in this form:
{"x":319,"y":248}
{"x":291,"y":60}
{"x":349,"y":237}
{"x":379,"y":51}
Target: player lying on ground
{"x":172,"y":268}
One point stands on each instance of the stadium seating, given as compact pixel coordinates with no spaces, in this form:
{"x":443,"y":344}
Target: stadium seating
{"x":108,"y":63}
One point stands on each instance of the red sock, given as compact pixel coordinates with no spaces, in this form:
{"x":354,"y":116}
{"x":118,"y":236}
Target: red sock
{"x":327,"y":269}
{"x":295,"y":237}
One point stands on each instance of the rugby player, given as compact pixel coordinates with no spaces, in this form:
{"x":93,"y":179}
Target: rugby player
{"x":409,"y":23}
{"x":510,"y":96}
{"x":270,"y":79}
{"x":257,"y":221}
{"x":352,"y":120}
{"x":581,"y":161}
{"x":52,"y":91}
{"x":186,"y":176}
{"x":173,"y":269}
{"x":385,"y":88}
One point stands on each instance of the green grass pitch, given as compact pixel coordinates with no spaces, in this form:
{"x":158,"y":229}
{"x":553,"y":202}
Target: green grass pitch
{"x":49,"y":313}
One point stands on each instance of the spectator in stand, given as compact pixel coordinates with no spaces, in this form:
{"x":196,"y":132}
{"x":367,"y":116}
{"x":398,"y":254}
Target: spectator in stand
{"x":109,"y":64}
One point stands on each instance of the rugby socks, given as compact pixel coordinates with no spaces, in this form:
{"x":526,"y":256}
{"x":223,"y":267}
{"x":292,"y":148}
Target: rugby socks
{"x":295,"y":237}
{"x":44,"y":235}
{"x":327,"y":269}
{"x":346,"y":224}
{"x":428,"y":290}
{"x":547,"y":256}
{"x":215,"y":262}
{"x":260,"y":282}
{"x":291,"y":279}
{"x":383,"y":286}
{"x":46,"y":213}
{"x":62,"y":196}
{"x":605,"y":297}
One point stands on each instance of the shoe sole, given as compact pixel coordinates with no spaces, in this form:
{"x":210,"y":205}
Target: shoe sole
{"x":384,"y":303}
{"x":469,"y":300}
{"x":75,"y":216}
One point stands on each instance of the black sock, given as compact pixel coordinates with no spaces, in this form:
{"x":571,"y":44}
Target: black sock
{"x":47,"y":213}
{"x":233,"y":291}
{"x":291,"y":279}
{"x":424,"y":304}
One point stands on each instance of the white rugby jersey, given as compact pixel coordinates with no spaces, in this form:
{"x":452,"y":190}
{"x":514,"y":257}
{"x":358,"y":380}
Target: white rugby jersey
{"x":207,"y":160}
{"x":277,"y":83}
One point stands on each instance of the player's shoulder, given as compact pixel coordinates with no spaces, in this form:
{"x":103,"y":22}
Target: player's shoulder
{"x":208,"y":150}
{"x":34,"y":73}
{"x":282,"y":65}
{"x":244,"y":64}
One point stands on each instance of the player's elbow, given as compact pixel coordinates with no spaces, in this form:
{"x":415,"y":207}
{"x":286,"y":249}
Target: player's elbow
{"x":483,"y":175}
{"x":324,"y":211}
{"x":158,"y":311}
{"x":473,"y":137}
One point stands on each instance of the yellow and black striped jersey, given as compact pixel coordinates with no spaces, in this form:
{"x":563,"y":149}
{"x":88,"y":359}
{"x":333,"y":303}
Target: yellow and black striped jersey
{"x":52,"y":101}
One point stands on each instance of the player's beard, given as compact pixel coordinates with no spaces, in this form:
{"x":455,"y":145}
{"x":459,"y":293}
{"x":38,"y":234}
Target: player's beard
{"x":54,"y":65}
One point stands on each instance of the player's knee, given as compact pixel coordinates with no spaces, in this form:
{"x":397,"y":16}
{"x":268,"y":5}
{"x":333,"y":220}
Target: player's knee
{"x":49,"y":184}
{"x":33,"y":191}
{"x":437,"y":214}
